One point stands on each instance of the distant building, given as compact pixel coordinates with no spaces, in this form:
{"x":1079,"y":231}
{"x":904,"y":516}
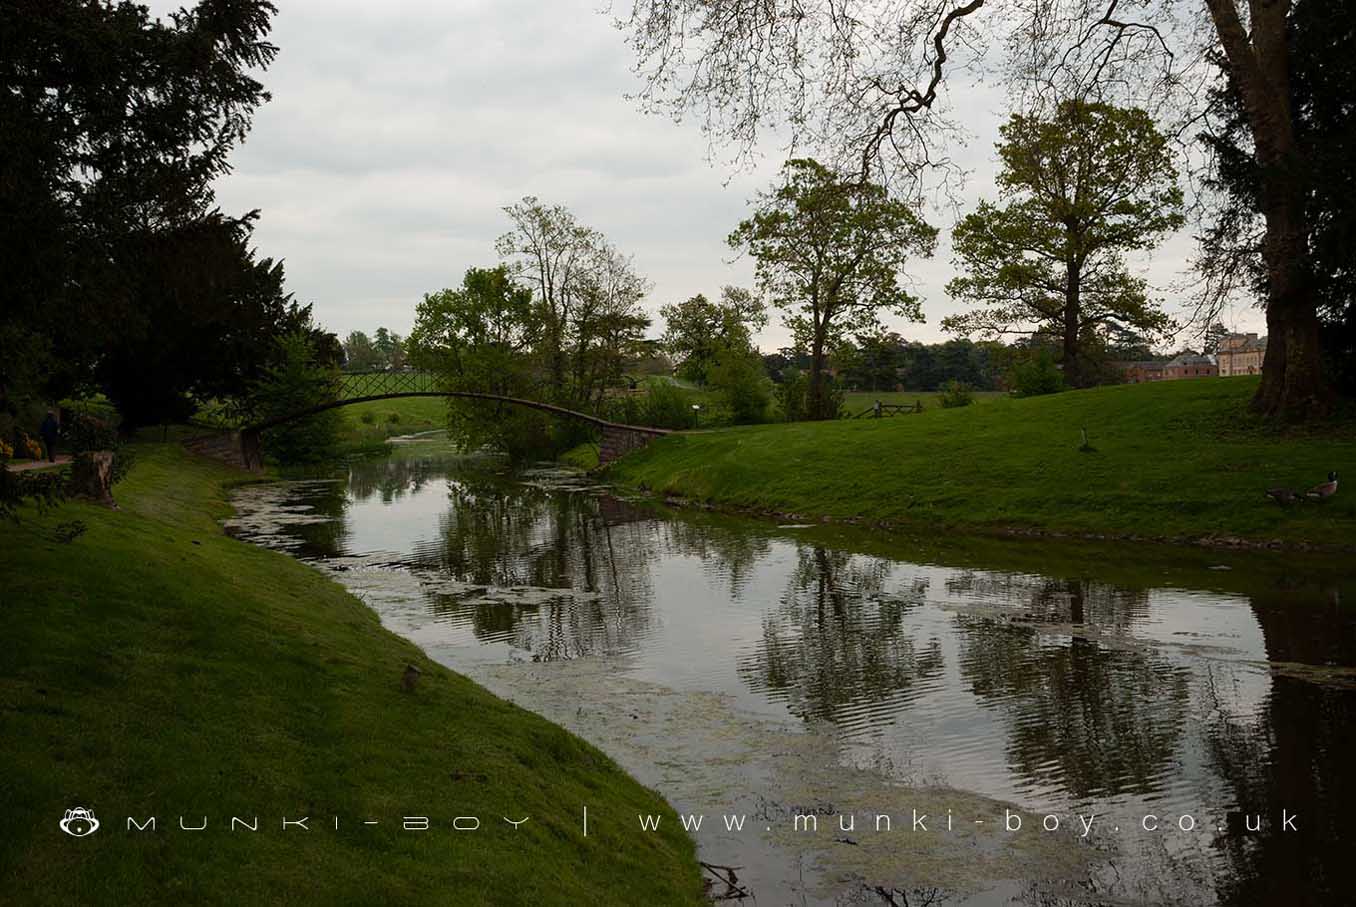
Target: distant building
{"x":1142,"y":372}
{"x":1185,"y":365}
{"x":1241,"y":354}
{"x":1189,"y":365}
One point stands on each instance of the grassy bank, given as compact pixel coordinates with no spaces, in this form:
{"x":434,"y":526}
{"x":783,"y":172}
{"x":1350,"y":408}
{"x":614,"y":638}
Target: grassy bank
{"x":1179,"y":459}
{"x":365,"y":427}
{"x":154,"y":666}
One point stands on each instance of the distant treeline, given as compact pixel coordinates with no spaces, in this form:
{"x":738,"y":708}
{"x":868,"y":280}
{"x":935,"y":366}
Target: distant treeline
{"x":888,"y":362}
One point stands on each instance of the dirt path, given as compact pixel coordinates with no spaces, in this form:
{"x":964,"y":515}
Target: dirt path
{"x":61,"y":460}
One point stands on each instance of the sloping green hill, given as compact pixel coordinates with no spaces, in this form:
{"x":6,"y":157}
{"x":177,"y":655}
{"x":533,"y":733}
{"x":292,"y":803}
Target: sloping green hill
{"x":1169,"y":460}
{"x":154,"y":666}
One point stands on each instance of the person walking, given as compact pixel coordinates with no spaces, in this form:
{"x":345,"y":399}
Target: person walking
{"x":49,"y":430}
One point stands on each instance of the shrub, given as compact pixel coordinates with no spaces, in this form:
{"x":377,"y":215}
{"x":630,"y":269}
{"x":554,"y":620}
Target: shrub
{"x":84,"y":433}
{"x":1037,"y":376}
{"x":791,"y":396}
{"x":45,"y":489}
{"x":367,"y":418}
{"x":392,"y":418}
{"x":297,"y":381}
{"x":738,"y":377}
{"x":666,"y":406}
{"x":956,"y":394}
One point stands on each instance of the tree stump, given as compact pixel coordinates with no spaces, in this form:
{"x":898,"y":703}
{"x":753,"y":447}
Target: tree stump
{"x":92,"y":477}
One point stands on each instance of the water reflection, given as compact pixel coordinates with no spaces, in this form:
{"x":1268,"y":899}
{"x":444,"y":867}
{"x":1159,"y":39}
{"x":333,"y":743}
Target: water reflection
{"x":1295,"y":756}
{"x":1085,"y":718}
{"x":1226,"y":694}
{"x":837,"y":646}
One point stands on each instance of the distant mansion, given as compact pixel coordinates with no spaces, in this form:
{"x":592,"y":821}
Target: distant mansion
{"x":1241,"y":354}
{"x":1238,"y":354}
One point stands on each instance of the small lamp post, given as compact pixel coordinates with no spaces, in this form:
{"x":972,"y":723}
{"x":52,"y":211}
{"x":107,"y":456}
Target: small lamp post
{"x":696,"y":415}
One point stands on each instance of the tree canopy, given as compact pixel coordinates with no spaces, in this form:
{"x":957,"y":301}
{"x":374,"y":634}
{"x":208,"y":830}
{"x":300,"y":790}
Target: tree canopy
{"x":119,"y":272}
{"x":1083,"y":186}
{"x":558,"y":321}
{"x":862,"y":82}
{"x":697,"y":330}
{"x":829,"y":250}
{"x":1322,"y":104}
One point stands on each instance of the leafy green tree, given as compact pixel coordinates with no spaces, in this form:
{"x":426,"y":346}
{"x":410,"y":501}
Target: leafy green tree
{"x":829,"y":251}
{"x":588,"y":319}
{"x":607,"y":329}
{"x":299,"y":381}
{"x":737,"y":376}
{"x":1083,"y":187}
{"x":359,"y":353}
{"x":115,"y":125}
{"x":1037,"y":374}
{"x":389,"y":349}
{"x":697,"y":330}
{"x":205,"y":326}
{"x":875,"y":360}
{"x":479,"y":338}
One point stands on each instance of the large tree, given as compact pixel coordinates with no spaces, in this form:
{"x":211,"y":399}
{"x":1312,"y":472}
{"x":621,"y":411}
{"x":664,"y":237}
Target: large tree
{"x":587,"y":296}
{"x":203,"y":322}
{"x":114,"y":126}
{"x":830,"y":250}
{"x":697,"y":331}
{"x":1322,"y":106}
{"x":479,"y":337}
{"x":862,"y":79}
{"x":1082,"y":187}
{"x":550,"y":251}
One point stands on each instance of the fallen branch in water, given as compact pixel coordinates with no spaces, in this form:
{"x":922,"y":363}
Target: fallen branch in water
{"x":726,"y":874}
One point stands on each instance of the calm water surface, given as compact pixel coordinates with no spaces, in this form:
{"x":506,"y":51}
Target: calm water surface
{"x":744,"y":667}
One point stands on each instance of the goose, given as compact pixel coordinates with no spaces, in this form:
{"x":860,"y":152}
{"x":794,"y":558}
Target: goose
{"x":1326,"y":490}
{"x":1288,"y":496}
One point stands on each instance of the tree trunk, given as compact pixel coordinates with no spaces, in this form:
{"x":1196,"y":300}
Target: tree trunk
{"x":1293,"y":385}
{"x":1073,"y":366}
{"x":815,"y":397}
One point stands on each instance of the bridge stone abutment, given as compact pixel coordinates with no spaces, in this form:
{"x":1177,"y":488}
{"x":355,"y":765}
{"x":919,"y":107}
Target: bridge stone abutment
{"x":620,"y":440}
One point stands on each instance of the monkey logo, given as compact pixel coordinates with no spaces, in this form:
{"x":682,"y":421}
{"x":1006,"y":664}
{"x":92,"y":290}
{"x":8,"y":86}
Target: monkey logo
{"x":79,"y":822}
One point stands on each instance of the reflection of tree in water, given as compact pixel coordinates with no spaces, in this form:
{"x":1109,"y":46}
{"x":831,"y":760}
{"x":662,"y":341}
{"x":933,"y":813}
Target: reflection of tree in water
{"x":392,"y":479}
{"x":504,"y":536}
{"x":322,"y":539}
{"x":731,"y":554}
{"x":1296,"y":753}
{"x":837,"y":641}
{"x":1048,"y":600}
{"x":1083,"y":718}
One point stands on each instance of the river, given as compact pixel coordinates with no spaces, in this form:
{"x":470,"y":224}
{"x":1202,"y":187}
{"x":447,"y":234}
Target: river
{"x":1184,"y":719}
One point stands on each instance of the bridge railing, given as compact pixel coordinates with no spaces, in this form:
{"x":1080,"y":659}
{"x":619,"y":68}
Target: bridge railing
{"x":374,"y":384}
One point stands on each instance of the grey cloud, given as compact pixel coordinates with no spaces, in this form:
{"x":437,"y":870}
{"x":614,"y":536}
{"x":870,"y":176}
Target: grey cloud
{"x":399,"y":130}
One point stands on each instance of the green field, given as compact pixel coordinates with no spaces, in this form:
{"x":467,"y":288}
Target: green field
{"x":855,"y":402}
{"x":1173,"y":460}
{"x":154,"y":666}
{"x":366,"y":426}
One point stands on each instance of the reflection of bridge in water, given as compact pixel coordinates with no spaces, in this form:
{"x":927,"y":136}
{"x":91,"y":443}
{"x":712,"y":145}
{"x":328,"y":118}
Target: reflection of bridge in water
{"x":244,"y":447}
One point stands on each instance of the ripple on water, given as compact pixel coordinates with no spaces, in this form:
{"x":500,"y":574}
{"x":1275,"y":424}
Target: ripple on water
{"x":737,"y":668}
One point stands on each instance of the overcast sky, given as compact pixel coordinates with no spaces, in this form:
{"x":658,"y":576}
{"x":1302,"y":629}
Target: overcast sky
{"x":399,"y":130}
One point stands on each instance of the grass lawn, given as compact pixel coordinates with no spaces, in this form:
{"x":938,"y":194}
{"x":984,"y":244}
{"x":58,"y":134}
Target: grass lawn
{"x":369,"y":424}
{"x":1170,"y":460}
{"x":855,"y":402}
{"x":154,"y":666}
